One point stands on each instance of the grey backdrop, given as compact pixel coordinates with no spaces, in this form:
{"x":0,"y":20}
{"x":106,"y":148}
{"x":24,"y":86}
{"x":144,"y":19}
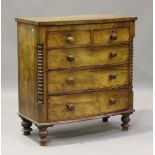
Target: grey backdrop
{"x":143,"y":60}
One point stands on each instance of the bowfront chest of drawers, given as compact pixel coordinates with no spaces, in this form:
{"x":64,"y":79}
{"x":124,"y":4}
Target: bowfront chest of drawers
{"x":73,"y":69}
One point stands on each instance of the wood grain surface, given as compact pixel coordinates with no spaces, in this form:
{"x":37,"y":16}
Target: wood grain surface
{"x":74,"y":80}
{"x":27,"y":67}
{"x":86,"y":105}
{"x":77,"y":19}
{"x":59,"y":39}
{"x":57,"y":58}
{"x":74,"y":68}
{"x":104,"y":36}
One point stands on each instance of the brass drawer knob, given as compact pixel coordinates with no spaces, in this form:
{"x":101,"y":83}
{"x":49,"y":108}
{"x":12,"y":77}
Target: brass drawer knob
{"x":112,"y":76}
{"x":69,"y":39}
{"x":113,"y":36}
{"x":70,"y":80}
{"x":112,"y":101}
{"x":113,"y":54}
{"x":70,"y":107}
{"x":70,"y":58}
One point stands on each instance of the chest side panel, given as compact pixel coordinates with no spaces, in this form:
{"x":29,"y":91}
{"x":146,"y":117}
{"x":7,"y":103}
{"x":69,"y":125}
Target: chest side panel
{"x":27,"y":41}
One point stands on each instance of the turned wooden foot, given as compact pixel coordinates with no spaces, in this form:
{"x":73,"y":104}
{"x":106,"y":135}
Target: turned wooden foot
{"x":125,"y":119}
{"x":43,"y":135}
{"x":26,"y":126}
{"x":105,"y":119}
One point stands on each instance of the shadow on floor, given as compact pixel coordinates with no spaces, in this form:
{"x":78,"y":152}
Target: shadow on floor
{"x":96,"y":130}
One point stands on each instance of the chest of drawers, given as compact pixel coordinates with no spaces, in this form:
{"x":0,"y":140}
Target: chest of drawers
{"x":73,"y":69}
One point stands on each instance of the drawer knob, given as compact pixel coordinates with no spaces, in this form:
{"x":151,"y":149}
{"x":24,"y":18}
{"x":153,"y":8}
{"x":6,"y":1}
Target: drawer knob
{"x":113,"y":54}
{"x":70,"y":80}
{"x":112,"y":101}
{"x":113,"y":36}
{"x":70,"y":107}
{"x":112,"y":76}
{"x":69,"y":39}
{"x":70,"y":58}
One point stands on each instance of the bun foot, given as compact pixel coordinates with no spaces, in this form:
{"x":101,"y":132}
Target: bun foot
{"x":26,"y":126}
{"x":105,"y":119}
{"x":43,"y":136}
{"x":125,"y":119}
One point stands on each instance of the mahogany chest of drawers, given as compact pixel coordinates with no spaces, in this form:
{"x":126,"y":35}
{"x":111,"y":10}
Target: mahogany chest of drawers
{"x":74,"y":68}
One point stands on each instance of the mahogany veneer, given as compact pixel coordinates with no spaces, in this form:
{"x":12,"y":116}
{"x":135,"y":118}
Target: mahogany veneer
{"x":74,"y":68}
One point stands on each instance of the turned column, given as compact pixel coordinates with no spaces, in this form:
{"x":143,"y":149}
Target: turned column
{"x":125,"y":119}
{"x":43,"y":135}
{"x":105,"y":119}
{"x":26,"y":126}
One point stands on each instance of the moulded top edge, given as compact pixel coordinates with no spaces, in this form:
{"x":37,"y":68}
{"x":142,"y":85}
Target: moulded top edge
{"x":82,"y":19}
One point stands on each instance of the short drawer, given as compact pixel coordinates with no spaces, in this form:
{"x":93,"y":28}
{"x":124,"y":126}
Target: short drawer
{"x":70,"y":107}
{"x":107,"y":36}
{"x":86,"y":79}
{"x":78,"y":57}
{"x":68,"y":38}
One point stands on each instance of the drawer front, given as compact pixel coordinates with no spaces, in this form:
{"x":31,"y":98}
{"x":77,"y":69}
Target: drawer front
{"x":115,"y":101}
{"x":70,"y":107}
{"x":86,"y":79}
{"x":68,"y":38}
{"x":77,"y":57}
{"x":106,"y":36}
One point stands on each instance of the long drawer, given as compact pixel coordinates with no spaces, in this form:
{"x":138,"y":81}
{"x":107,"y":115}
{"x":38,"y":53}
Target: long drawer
{"x":70,"y":107}
{"x":78,"y":57}
{"x":86,"y":79}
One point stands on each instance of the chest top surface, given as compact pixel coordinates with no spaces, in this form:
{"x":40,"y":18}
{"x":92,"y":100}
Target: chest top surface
{"x":78,"y":19}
